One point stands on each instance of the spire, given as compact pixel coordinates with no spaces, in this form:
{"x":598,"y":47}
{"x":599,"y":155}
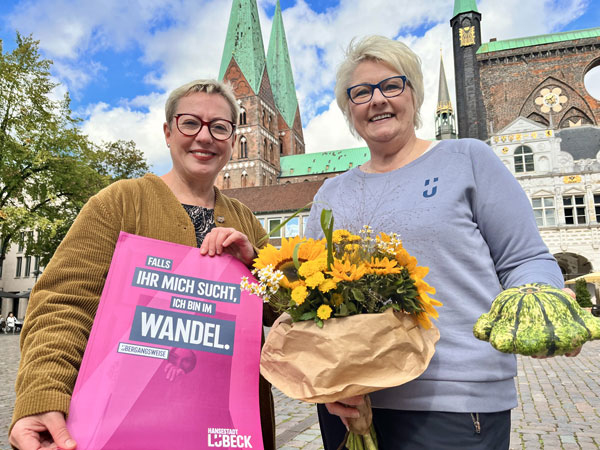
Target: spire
{"x":463,"y":6}
{"x":244,"y":43}
{"x":443,"y":104}
{"x":279,"y":69}
{"x":445,"y":122}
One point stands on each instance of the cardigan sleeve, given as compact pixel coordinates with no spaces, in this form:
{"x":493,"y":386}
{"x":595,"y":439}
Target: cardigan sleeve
{"x":61,"y":312}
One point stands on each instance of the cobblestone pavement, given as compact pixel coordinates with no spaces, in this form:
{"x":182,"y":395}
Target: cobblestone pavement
{"x":559,"y":404}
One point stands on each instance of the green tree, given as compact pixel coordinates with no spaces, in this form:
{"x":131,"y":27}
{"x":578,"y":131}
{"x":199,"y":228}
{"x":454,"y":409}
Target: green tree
{"x":48,"y":168}
{"x":582,"y":294}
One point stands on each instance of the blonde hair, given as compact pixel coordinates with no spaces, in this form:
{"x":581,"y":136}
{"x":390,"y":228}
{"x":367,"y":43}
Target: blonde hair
{"x":210,"y":87}
{"x":388,"y":51}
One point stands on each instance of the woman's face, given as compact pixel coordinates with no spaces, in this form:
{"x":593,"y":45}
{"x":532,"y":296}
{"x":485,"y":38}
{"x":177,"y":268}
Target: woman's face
{"x":382,"y":119}
{"x":200,"y":156}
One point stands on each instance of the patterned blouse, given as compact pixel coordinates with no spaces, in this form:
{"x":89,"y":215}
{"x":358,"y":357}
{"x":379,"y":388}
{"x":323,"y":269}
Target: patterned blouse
{"x":203,"y":220}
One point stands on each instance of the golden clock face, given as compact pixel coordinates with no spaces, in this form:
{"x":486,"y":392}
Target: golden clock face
{"x":466,"y":36}
{"x":550,"y":99}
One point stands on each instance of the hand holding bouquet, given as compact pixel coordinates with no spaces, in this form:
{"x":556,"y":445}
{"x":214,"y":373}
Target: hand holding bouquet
{"x":371,"y":307}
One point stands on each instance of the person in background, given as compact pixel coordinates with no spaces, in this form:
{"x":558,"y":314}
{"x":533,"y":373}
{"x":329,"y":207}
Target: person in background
{"x":11,"y":323}
{"x":183,"y":206}
{"x":461,"y":213}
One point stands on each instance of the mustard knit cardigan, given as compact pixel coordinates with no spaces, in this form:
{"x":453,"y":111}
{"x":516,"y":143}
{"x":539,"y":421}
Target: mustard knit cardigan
{"x":64,"y":301}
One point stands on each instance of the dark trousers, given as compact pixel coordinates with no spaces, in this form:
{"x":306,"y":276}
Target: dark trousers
{"x":426,"y":430}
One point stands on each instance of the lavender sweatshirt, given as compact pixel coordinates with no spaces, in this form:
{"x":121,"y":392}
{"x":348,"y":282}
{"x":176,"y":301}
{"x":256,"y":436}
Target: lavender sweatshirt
{"x":461,"y":213}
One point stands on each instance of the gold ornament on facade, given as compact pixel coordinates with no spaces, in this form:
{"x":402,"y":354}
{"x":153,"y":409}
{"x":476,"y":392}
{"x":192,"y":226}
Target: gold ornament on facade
{"x":551,"y":100}
{"x":572,"y":179}
{"x":548,"y":133}
{"x":466,"y":36}
{"x":505,"y":150}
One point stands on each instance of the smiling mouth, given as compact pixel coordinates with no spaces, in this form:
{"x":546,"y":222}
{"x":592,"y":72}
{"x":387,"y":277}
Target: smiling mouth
{"x":381,"y":117}
{"x":202,"y":153}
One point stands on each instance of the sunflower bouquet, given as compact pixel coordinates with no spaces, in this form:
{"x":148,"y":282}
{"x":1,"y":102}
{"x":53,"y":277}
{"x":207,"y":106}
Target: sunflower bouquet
{"x":362,"y":291}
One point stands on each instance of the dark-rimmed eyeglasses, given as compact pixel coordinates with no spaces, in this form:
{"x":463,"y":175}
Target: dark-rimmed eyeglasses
{"x":190,"y":125}
{"x":390,"y":87}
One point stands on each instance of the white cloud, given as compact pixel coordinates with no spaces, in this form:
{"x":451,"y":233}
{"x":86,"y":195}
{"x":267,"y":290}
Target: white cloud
{"x":329,"y":131}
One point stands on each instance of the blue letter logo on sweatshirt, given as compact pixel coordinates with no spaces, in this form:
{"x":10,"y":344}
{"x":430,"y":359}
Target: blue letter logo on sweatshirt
{"x":426,"y":192}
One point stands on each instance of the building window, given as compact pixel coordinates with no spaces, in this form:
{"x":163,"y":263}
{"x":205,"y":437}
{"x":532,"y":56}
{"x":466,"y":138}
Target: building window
{"x":1,"y":265}
{"x":36,"y":267}
{"x":244,"y":178}
{"x":597,"y":207}
{"x":242,"y":116}
{"x":19,"y":266}
{"x":292,"y":228}
{"x":280,"y":147}
{"x":226,"y":181}
{"x":266,"y":148}
{"x":22,"y":243}
{"x":274,"y":223}
{"x":544,"y":211}
{"x":574,"y":207}
{"x":243,"y":147}
{"x":27,"y":266}
{"x":524,"y":159}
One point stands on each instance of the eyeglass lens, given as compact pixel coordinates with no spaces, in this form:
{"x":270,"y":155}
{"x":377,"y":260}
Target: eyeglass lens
{"x":190,"y":125}
{"x":390,"y":87}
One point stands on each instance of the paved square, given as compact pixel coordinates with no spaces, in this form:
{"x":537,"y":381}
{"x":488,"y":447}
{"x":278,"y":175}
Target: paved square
{"x":559,"y":403}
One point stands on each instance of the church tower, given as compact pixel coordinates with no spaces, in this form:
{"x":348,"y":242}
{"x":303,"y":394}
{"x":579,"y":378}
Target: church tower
{"x":445,"y":123}
{"x":284,"y":90}
{"x":466,"y":40}
{"x":264,"y":133}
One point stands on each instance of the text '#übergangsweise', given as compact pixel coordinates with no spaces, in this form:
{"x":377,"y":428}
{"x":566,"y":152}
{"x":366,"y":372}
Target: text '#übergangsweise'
{"x":184,"y":285}
{"x":162,"y":327}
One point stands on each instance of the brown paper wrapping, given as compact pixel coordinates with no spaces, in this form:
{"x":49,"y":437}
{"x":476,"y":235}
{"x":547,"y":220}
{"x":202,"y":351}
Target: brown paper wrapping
{"x":349,"y":356}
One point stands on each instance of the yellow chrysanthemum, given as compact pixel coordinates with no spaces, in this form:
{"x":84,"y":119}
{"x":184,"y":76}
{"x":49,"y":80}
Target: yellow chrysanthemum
{"x":310,"y":267}
{"x":340,"y":235}
{"x":299,"y":294}
{"x":324,"y":312}
{"x":315,"y":279}
{"x":346,"y":271}
{"x":383,"y":266}
{"x":327,"y":285}
{"x":283,"y":258}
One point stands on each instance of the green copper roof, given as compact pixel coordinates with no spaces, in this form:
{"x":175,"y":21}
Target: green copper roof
{"x":509,"y":44}
{"x":463,"y":6}
{"x":244,"y":42}
{"x":323,"y":162}
{"x":280,"y":70}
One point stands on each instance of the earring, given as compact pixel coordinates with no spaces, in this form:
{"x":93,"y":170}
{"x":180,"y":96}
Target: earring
{"x":169,"y":145}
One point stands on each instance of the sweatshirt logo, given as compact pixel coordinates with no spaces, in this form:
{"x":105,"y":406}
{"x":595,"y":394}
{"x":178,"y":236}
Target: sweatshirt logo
{"x":427,"y":193}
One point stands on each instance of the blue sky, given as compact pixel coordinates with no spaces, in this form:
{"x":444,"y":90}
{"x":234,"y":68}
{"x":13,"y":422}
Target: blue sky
{"x":118,"y":60}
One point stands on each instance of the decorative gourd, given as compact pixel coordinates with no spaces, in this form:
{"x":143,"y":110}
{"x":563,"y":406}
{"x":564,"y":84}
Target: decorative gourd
{"x":536,"y":319}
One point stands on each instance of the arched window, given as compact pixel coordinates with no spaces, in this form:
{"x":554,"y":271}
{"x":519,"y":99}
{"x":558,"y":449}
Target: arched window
{"x":524,"y":159}
{"x":280,"y":147}
{"x":266,"y":148}
{"x":226,"y":181}
{"x":242,"y":116}
{"x":243,"y":148}
{"x":271,"y":155}
{"x":244,"y":178}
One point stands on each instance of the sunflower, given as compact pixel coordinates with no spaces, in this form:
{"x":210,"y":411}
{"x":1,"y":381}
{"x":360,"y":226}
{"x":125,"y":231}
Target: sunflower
{"x":379,"y":266}
{"x":346,"y":271}
{"x":327,"y":285}
{"x":283,"y":258}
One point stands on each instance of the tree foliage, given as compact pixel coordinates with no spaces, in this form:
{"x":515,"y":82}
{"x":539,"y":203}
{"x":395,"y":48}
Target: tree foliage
{"x":583,"y":296}
{"x":48,"y":168}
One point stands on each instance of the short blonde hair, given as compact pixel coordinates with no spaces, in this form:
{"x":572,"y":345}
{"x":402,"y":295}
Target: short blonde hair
{"x":210,"y":87}
{"x":388,"y":51}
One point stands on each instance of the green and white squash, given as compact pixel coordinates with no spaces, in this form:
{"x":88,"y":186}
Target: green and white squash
{"x":536,"y":320}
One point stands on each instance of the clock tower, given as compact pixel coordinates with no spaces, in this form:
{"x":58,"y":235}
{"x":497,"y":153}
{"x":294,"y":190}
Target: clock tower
{"x":466,"y":40}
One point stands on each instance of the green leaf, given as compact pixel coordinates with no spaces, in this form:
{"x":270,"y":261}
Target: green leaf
{"x":327,"y":226}
{"x":308,"y":315}
{"x":358,"y":294}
